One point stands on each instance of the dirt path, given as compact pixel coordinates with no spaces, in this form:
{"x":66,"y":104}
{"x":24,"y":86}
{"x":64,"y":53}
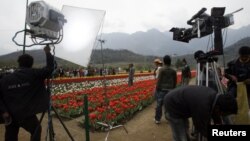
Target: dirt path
{"x":140,"y":128}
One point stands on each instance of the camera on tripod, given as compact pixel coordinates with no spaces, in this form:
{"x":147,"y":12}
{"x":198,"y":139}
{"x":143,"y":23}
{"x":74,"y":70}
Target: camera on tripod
{"x":203,"y":25}
{"x":202,"y":57}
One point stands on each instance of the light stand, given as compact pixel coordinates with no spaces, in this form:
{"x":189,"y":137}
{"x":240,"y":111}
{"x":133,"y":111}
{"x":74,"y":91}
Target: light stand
{"x":109,"y":126}
{"x":104,"y":72}
{"x":25,"y":28}
{"x":51,"y":34}
{"x":50,"y":130}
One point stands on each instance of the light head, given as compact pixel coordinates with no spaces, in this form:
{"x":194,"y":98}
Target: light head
{"x":44,"y":21}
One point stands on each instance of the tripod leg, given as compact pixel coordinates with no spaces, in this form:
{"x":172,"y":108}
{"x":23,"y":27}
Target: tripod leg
{"x":207,"y":65}
{"x":50,"y":130}
{"x":37,"y":128}
{"x":64,"y":126}
{"x":198,"y":74}
{"x":217,"y":79}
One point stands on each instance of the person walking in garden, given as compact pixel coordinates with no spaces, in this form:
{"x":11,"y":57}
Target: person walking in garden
{"x":23,"y":95}
{"x":158,"y":65}
{"x":185,"y":73}
{"x":131,"y":72}
{"x":61,"y":72}
{"x":166,"y":82}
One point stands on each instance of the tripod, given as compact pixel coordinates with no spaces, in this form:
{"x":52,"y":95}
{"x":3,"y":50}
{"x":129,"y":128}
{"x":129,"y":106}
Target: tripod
{"x":50,"y":130}
{"x":207,"y":75}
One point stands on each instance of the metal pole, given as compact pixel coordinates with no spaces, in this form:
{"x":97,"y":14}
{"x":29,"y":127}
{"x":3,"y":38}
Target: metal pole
{"x":25,"y":27}
{"x":86,"y":113}
{"x":198,"y":71}
{"x":104,"y":74}
{"x":207,"y":65}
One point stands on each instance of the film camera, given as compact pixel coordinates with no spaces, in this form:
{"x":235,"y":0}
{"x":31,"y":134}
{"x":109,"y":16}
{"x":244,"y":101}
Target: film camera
{"x":203,"y":25}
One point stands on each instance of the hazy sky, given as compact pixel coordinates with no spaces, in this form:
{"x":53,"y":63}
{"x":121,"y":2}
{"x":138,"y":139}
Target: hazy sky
{"x":132,"y":15}
{"x":126,"y":16}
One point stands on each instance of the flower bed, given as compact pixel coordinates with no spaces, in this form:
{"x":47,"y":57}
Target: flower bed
{"x":114,"y":103}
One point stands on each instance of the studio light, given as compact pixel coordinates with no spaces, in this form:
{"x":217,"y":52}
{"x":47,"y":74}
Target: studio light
{"x":44,"y":21}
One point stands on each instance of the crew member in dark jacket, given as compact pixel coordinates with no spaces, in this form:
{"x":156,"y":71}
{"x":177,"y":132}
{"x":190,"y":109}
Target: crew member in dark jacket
{"x":167,"y":80}
{"x":23,"y":95}
{"x":239,"y":71}
{"x":199,"y":103}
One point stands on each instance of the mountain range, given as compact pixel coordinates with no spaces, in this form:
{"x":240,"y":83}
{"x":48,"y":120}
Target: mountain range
{"x":154,"y":42}
{"x":143,"y":47}
{"x":121,"y":57}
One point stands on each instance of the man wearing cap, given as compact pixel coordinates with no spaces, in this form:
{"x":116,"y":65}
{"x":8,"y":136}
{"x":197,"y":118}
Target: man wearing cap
{"x":158,"y":65}
{"x":166,"y":81}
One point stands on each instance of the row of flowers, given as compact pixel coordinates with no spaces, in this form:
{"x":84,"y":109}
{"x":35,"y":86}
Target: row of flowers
{"x":62,"y":86}
{"x":112,"y":104}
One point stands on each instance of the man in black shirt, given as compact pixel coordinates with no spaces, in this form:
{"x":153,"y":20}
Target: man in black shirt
{"x":199,"y":103}
{"x":23,"y":95}
{"x":185,"y":73}
{"x":131,"y":73}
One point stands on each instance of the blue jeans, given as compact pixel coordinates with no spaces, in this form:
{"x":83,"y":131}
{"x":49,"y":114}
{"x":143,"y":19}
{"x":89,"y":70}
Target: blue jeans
{"x":159,"y":99}
{"x":179,"y":127}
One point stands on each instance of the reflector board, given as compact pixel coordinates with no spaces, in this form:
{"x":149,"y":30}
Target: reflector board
{"x":79,"y":34}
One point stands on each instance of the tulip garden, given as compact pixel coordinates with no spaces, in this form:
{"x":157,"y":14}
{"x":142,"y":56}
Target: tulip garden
{"x":110,"y":99}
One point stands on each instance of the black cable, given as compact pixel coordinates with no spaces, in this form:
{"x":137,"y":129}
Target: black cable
{"x":49,"y":86}
{"x":35,"y":39}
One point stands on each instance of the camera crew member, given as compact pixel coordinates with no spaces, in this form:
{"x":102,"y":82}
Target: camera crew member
{"x":239,"y":71}
{"x":199,"y":103}
{"x":23,"y":95}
